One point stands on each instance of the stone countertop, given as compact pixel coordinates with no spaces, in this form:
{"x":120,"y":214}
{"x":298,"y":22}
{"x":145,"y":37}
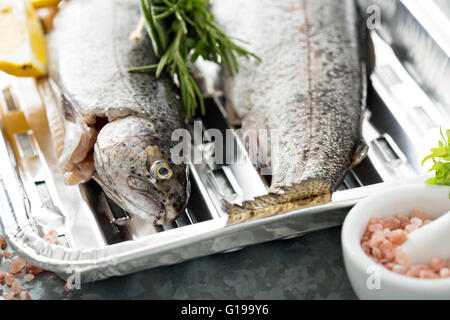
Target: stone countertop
{"x":309,"y":267}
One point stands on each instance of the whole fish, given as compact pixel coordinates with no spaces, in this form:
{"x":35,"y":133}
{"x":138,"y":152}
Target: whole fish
{"x":310,"y":87}
{"x":114,"y":125}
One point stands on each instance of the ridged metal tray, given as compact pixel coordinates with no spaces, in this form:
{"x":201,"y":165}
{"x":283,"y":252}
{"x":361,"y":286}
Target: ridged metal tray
{"x":97,"y":239}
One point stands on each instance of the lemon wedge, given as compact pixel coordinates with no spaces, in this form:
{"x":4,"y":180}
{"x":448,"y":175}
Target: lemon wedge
{"x":22,"y":44}
{"x":44,"y":3}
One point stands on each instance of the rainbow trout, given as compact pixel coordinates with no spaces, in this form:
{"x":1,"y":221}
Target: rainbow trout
{"x":310,"y":87}
{"x":113,"y":125}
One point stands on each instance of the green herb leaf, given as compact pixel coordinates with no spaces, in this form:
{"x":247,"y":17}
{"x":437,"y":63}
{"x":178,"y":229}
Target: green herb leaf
{"x":185,"y":29}
{"x":441,"y":161}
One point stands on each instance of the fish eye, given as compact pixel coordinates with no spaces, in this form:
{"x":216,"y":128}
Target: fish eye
{"x":160,"y":170}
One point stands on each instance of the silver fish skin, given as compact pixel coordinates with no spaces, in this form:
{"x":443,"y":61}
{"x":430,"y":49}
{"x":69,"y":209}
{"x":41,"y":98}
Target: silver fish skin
{"x":116,"y":125}
{"x":310,"y":87}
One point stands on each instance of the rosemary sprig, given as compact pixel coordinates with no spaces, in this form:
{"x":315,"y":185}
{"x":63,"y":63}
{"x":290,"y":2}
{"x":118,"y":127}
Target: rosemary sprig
{"x":185,"y":29}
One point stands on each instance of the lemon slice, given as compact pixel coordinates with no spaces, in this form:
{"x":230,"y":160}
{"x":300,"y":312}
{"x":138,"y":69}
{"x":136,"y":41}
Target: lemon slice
{"x":22,"y":44}
{"x":44,"y":3}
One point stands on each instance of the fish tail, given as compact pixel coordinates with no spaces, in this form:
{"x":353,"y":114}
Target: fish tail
{"x":308,"y":193}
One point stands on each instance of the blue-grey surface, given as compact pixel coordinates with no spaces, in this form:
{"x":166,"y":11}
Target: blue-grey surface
{"x":310,"y":267}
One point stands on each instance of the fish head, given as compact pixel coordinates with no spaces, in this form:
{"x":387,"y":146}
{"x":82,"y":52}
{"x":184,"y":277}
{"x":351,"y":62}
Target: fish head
{"x":134,"y":168}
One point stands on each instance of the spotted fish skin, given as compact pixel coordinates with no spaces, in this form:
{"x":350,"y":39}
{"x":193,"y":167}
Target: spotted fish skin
{"x":116,"y":125}
{"x":310,"y":87}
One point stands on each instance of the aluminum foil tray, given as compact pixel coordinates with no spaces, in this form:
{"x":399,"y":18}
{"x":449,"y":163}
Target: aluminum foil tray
{"x":98,"y":240}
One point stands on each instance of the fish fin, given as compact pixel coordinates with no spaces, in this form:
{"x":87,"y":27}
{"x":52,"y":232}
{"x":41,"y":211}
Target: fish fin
{"x":308,"y":193}
{"x":359,"y":154}
{"x":72,"y":138}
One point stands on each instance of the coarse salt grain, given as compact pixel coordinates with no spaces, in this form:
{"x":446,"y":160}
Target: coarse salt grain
{"x":51,"y":236}
{"x":376,"y":252}
{"x":427,"y":274}
{"x":401,"y":258}
{"x":9,"y":279}
{"x":437,"y":263}
{"x":417,"y":221}
{"x":391,"y":223}
{"x":397,"y":237}
{"x":17,"y":264}
{"x":7,"y":254}
{"x":32,"y":269}
{"x":376,"y":240}
{"x":28,"y":277}
{"x":374,"y":227}
{"x":444,"y":273}
{"x":399,"y":269}
{"x":411,"y":227}
{"x":3,"y":243}
{"x":417,"y":213}
{"x":10,"y":296}
{"x":25,"y":295}
{"x":2,"y":276}
{"x":16,"y":287}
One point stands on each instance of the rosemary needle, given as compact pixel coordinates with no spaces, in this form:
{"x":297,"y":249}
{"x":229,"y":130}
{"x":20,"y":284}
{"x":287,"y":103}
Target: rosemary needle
{"x":183,"y":30}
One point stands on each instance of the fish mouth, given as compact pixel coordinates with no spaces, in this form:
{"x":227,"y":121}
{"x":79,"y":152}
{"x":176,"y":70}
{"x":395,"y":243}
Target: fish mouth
{"x":166,"y":214}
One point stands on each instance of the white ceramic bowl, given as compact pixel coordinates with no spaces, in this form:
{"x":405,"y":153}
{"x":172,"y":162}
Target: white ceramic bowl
{"x":372,"y":281}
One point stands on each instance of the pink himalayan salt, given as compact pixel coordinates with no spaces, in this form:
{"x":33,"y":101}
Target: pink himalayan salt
{"x":391,"y":223}
{"x":28,"y":277}
{"x":382,"y":244}
{"x":411,"y":227}
{"x":417,"y":221}
{"x":16,"y":287}
{"x":401,"y":258}
{"x":375,"y":220}
{"x":32,"y":269}
{"x":399,"y":269}
{"x":9,"y":279}
{"x":387,"y":250}
{"x":437,"y":263}
{"x":414,"y":271}
{"x":389,"y":265}
{"x":376,"y":240}
{"x":7,"y":254}
{"x":427,"y":274}
{"x":10,"y":296}
{"x":444,"y":273}
{"x":417,"y":213}
{"x":16,"y":265}
{"x":25,"y":295}
{"x":2,"y":276}
{"x":374,"y":227}
{"x":3,"y":243}
{"x":51,"y":236}
{"x":1,"y":287}
{"x":403,"y":219}
{"x":376,"y":253}
{"x":397,"y":237}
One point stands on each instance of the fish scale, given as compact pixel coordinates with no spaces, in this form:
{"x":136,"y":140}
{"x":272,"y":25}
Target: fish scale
{"x":309,"y":87}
